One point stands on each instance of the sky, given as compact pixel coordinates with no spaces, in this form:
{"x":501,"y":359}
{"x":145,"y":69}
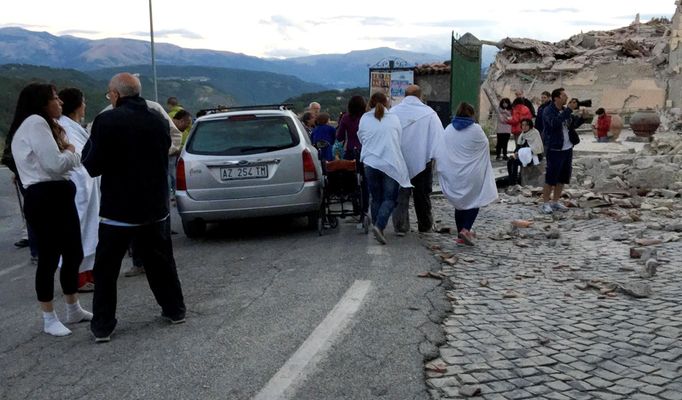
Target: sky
{"x":283,"y":29}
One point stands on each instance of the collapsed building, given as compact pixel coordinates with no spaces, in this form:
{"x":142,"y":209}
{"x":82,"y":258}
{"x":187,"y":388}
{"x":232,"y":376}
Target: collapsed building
{"x":622,"y":70}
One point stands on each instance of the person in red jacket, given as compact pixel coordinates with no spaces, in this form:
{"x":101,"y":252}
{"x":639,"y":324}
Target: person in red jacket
{"x":603,"y":125}
{"x":519,"y":113}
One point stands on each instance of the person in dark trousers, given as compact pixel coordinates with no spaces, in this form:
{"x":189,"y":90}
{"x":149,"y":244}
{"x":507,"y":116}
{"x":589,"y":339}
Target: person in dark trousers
{"x":504,"y":129}
{"x":421,"y":131}
{"x":128,"y":148}
{"x":559,"y":124}
{"x":44,"y":159}
{"x":546,"y":99}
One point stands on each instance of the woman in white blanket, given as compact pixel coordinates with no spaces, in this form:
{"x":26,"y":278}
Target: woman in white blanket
{"x":87,"y":188}
{"x":464,"y":170}
{"x":385,"y":169}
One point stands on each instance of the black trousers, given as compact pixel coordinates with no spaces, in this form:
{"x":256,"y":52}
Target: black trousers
{"x":156,"y":252}
{"x":464,"y":219}
{"x":51,"y":212}
{"x":423,"y":186}
{"x":502,"y":142}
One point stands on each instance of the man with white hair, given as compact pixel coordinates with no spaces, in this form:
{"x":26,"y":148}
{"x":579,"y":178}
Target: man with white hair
{"x":314,"y":108}
{"x":421,"y":129}
{"x":128,"y":148}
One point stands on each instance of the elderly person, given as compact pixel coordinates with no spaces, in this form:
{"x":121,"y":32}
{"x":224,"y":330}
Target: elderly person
{"x":128,"y":148}
{"x":464,"y":170}
{"x":44,"y":159}
{"x":421,"y":130}
{"x":314,"y":108}
{"x":528,"y":149}
{"x":379,"y":133}
{"x":87,"y":188}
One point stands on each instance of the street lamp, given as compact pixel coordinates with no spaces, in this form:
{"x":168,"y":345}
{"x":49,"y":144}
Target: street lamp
{"x":151,"y":34}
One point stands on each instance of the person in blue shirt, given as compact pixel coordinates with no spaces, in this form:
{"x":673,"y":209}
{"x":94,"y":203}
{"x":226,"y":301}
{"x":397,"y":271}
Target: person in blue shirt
{"x":324,"y":132}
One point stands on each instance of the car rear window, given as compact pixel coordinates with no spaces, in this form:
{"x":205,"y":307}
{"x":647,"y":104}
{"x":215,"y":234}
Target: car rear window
{"x":241,"y":134}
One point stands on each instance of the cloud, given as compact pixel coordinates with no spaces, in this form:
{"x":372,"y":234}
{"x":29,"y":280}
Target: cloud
{"x":366,"y":21}
{"x":169,"y":34}
{"x":76,"y":32}
{"x":436,"y":44}
{"x":553,"y":10}
{"x":288,"y":53}
{"x":23,"y":26}
{"x":281,"y":24}
{"x":459,"y":23}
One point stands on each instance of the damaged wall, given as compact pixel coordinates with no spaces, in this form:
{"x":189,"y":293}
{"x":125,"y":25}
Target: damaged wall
{"x":621,"y":70}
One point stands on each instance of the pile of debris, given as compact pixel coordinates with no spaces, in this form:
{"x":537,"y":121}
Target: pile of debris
{"x":640,"y":42}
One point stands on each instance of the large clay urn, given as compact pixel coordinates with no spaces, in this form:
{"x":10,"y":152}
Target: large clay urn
{"x":644,"y":122}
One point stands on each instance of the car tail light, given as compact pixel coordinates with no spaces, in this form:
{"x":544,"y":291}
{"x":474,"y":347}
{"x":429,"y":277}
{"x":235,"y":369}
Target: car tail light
{"x":309,"y":171}
{"x":180,"y":181}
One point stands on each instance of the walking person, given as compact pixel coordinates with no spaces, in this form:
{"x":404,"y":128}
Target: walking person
{"x":504,"y":129}
{"x":421,"y":130}
{"x":87,"y":187}
{"x":379,"y":133}
{"x":128,"y":148}
{"x":44,"y":159}
{"x":464,"y":170}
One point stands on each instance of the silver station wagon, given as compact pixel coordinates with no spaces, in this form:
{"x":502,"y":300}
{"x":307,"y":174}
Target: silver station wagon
{"x":247,"y":162}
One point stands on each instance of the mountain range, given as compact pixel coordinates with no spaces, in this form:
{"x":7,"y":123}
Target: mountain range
{"x":21,"y":46}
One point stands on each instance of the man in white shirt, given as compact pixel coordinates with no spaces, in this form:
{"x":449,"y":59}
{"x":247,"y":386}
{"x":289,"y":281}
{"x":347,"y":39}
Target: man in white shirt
{"x":421,"y":128}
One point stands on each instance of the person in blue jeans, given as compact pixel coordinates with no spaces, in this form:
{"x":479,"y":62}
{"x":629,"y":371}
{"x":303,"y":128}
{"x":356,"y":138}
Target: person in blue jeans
{"x":385,"y":169}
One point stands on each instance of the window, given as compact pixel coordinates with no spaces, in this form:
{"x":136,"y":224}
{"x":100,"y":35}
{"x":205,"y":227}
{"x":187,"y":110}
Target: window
{"x":243,"y":135}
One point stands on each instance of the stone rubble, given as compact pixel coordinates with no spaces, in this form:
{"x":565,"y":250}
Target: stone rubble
{"x":573,"y":316}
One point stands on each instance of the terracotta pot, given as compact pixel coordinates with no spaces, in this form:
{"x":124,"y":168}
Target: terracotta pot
{"x":644,"y":122}
{"x":616,"y":126}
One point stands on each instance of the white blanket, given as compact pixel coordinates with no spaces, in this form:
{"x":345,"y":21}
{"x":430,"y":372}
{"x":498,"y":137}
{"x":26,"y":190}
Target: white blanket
{"x":421,"y":129}
{"x":464,"y":169}
{"x":381,"y":146}
{"x":87,"y":194}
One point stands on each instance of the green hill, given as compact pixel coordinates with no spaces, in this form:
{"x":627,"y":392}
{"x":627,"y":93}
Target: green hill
{"x":332,"y":101}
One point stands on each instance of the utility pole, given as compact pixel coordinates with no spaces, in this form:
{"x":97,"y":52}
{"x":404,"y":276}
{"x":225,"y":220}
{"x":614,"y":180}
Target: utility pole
{"x":151,"y":34}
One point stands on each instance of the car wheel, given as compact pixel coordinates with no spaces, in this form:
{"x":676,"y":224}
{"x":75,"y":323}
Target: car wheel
{"x":194,"y":229}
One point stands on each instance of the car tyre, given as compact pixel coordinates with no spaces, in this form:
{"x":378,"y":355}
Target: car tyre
{"x":194,"y":229}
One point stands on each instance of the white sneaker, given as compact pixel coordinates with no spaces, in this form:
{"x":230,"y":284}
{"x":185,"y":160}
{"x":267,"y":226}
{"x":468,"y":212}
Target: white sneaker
{"x":56,"y":328}
{"x":78,"y":316}
{"x":546,"y":209}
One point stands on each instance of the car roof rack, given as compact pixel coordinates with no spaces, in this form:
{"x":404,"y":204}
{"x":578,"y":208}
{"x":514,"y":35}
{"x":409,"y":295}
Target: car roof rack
{"x":207,"y":111}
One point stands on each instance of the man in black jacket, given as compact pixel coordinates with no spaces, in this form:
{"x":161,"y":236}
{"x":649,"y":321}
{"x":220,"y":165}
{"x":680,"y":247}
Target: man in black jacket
{"x":128,"y":147}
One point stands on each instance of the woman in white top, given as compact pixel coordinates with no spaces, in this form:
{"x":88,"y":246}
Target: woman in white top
{"x":87,"y":187}
{"x":44,"y":158}
{"x":385,"y":169}
{"x":464,"y":170}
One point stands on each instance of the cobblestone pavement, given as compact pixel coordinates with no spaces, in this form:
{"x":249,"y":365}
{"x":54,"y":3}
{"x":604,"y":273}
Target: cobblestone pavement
{"x":529,"y":321}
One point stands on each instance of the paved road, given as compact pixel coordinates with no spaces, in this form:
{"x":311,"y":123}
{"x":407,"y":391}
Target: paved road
{"x":272,"y":309}
{"x":526,"y":325}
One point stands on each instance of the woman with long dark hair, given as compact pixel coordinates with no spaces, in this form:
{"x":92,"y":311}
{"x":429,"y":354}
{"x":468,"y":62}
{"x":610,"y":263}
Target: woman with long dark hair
{"x":379,"y":133}
{"x":44,"y":157}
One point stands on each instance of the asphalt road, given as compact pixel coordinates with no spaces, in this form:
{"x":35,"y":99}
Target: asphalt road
{"x":274,"y":311}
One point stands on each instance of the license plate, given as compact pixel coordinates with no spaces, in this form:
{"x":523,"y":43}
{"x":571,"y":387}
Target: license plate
{"x":258,"y":171}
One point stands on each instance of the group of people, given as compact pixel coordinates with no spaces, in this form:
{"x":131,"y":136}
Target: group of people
{"x":396,"y":148}
{"x":550,"y":134}
{"x":106,"y":189}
